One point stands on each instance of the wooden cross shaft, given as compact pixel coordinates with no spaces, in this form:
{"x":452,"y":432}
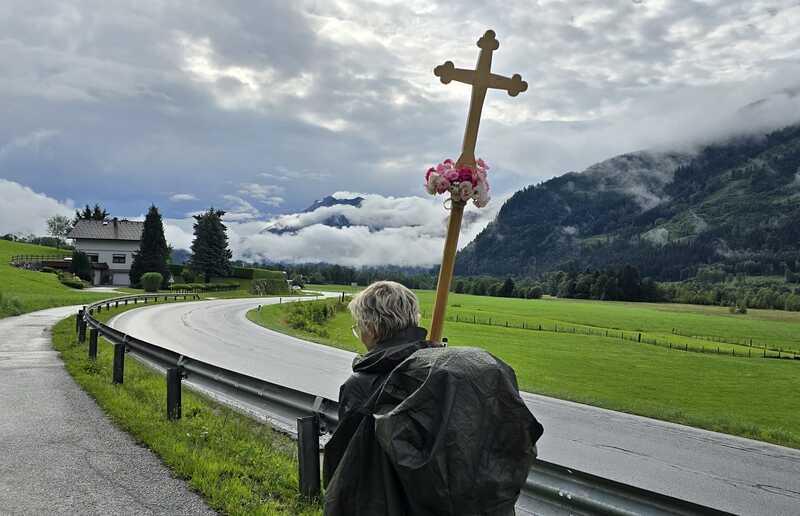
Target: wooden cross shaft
{"x":481,"y":79}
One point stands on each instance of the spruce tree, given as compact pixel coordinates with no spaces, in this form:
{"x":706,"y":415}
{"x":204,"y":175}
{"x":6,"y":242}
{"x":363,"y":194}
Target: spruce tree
{"x":210,"y":254}
{"x":153,"y":254}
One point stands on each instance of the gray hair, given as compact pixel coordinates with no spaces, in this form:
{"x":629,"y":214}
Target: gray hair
{"x":384,"y":309}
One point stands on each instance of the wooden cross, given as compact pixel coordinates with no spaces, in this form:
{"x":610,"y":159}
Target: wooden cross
{"x":481,"y":79}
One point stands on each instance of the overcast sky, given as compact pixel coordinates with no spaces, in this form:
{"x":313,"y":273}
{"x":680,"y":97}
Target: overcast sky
{"x":262,"y":107}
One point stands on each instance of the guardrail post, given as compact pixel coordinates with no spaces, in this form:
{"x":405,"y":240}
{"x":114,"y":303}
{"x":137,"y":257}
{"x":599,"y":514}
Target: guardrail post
{"x":308,"y":455}
{"x":93,"y":344}
{"x":174,"y":377}
{"x":78,"y":319}
{"x":82,"y":331}
{"x":116,"y":304}
{"x":119,"y":363}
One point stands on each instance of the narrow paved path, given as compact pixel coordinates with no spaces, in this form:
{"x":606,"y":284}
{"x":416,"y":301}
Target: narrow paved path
{"x":59,"y":454}
{"x":738,"y":475}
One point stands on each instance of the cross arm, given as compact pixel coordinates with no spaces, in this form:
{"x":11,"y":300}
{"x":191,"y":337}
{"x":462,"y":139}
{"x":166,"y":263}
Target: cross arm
{"x":448,"y":72}
{"x":514,"y":86}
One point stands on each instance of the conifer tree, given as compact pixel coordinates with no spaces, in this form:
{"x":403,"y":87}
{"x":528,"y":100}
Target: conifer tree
{"x":153,"y":254}
{"x":96,"y":213}
{"x":210,"y":254}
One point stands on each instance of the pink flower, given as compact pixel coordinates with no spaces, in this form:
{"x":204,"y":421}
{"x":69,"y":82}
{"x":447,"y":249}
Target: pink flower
{"x":428,"y":174}
{"x":482,"y":164}
{"x":465,"y":174}
{"x":481,"y":195}
{"x":448,"y":161}
{"x":442,"y":186}
{"x":433,"y":180}
{"x":465,"y":190}
{"x":452,"y":175}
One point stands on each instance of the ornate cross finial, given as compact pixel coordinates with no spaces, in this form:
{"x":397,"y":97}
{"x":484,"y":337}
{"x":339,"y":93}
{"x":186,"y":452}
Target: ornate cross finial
{"x":481,"y":79}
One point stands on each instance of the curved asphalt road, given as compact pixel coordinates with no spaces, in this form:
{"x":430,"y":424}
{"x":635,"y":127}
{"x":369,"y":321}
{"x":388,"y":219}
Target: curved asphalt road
{"x":729,"y":473}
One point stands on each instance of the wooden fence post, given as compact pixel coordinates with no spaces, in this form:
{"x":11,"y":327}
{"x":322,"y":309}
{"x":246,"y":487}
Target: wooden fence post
{"x":308,"y":455}
{"x":93,"y":344}
{"x":119,"y":363}
{"x":174,"y":377}
{"x":82,"y":332}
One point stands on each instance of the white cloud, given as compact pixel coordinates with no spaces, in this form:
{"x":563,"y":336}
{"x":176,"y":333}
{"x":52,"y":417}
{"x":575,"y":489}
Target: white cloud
{"x":267,"y":194}
{"x":182,"y":197}
{"x":32,"y":141}
{"x":24,"y":211}
{"x":239,"y":209}
{"x":284,"y":174}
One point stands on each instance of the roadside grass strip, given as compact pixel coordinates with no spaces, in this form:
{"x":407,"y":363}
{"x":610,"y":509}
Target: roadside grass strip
{"x":749,"y":397}
{"x":240,"y":466}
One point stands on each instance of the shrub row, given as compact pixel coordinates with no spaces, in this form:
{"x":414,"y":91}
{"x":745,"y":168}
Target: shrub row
{"x":311,"y":316}
{"x":266,"y":287}
{"x":204,"y":287}
{"x":255,"y":273}
{"x":70,"y":280}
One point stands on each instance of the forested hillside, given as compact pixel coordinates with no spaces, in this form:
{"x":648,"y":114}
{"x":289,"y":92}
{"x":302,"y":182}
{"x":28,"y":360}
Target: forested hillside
{"x":735,"y":205}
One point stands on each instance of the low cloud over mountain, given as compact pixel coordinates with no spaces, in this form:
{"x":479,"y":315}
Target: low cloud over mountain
{"x":349,"y":229}
{"x":345,"y":228}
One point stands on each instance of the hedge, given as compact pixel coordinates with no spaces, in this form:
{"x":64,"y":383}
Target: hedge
{"x":255,"y":273}
{"x":264,"y":287}
{"x":72,"y":283}
{"x":70,"y":280}
{"x":204,"y":287}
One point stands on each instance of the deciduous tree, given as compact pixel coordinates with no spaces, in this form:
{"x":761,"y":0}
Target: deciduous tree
{"x":58,"y":227}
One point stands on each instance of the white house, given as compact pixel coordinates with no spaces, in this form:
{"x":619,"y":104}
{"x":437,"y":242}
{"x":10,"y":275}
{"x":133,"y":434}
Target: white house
{"x":110,"y":246}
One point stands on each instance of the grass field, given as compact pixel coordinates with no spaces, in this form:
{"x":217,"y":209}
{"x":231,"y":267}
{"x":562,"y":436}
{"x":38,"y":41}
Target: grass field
{"x":25,"y":291}
{"x":240,"y":466}
{"x":751,"y":397}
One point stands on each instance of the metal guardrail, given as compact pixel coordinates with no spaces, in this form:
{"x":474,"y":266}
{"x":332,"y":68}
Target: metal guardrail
{"x":550,"y":488}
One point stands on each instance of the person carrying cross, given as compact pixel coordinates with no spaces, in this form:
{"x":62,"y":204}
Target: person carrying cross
{"x":424,"y":429}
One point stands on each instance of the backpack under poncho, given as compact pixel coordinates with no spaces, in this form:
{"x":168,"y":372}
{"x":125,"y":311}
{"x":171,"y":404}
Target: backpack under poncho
{"x":447,"y":434}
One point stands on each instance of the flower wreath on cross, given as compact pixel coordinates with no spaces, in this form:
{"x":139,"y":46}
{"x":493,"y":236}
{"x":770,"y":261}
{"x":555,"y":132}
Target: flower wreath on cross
{"x":463,"y":183}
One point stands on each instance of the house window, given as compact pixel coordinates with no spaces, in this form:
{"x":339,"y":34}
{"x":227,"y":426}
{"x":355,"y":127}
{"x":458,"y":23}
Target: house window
{"x":94,"y":258}
{"x":118,"y":258}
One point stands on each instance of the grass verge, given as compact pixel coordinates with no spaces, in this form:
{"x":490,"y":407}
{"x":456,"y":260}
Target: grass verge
{"x":747,"y":397}
{"x":23,"y":291}
{"x":241,"y":467}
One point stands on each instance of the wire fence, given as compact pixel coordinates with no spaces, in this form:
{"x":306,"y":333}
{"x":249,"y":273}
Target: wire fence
{"x":747,"y":341}
{"x":33,"y":260}
{"x":749,"y":350}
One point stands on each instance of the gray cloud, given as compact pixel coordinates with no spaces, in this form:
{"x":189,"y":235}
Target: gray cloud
{"x":127,"y":104}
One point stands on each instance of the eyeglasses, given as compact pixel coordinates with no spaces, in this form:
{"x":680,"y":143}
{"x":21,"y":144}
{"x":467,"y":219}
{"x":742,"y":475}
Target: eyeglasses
{"x":354,"y":329}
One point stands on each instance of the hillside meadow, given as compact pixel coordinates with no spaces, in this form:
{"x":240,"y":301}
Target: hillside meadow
{"x":23,"y":291}
{"x":751,"y":397}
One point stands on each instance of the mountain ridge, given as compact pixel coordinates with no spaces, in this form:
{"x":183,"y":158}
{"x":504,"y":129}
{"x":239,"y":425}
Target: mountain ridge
{"x":668,"y":213}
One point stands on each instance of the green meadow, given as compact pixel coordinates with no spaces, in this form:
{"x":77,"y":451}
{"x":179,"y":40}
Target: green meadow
{"x":751,"y":397}
{"x":23,"y":291}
